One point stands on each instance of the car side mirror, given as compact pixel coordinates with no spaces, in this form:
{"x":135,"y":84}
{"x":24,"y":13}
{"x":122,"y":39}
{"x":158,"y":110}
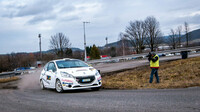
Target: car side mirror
{"x":54,"y":70}
{"x":99,"y":71}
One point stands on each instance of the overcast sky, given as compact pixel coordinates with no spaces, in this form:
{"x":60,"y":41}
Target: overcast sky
{"x":22,"y":20}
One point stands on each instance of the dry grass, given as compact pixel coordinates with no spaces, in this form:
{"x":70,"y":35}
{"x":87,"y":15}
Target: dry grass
{"x":174,"y":74}
{"x":4,"y":80}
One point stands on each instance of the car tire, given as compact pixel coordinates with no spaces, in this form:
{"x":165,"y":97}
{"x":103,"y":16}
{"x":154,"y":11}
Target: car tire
{"x":58,"y":86}
{"x":96,"y":89}
{"x":42,"y":85}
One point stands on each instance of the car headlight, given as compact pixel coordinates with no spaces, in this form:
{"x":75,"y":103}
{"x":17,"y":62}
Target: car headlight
{"x":97,"y":73}
{"x":67,"y":75}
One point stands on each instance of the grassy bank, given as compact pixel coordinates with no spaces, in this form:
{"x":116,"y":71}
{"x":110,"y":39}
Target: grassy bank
{"x":9,"y":79}
{"x":173,"y":74}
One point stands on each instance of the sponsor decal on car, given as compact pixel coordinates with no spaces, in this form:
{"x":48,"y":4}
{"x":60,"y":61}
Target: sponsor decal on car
{"x":99,"y":79}
{"x":66,"y":80}
{"x":48,"y":77}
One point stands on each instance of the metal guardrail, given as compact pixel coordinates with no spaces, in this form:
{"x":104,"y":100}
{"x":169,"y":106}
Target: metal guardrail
{"x":9,"y":74}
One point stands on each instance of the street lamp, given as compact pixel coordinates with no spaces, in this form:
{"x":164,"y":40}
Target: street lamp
{"x":39,"y":36}
{"x":85,"y":39}
{"x":106,"y":42}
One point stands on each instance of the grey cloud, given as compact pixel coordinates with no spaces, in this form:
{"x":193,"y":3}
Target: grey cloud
{"x":10,"y":11}
{"x":37,"y":8}
{"x":51,"y":16}
{"x":174,"y":23}
{"x":71,"y":18}
{"x":181,"y":8}
{"x":14,"y":6}
{"x":31,"y":8}
{"x":8,"y":15}
{"x":185,"y":5}
{"x":68,"y":8}
{"x":41,"y":18}
{"x":195,"y":19}
{"x":190,"y":19}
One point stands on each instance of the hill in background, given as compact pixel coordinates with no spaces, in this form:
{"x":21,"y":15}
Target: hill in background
{"x":193,"y":34}
{"x":195,"y":37}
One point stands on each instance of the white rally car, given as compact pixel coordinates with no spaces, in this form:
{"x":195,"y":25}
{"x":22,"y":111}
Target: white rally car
{"x":69,"y":74}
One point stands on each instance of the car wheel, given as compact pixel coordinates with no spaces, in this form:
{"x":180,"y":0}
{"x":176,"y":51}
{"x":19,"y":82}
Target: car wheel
{"x":59,"y":88}
{"x":42,"y":85}
{"x":95,"y":89}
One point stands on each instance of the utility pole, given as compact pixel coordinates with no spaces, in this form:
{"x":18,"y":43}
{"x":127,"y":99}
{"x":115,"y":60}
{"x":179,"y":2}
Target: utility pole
{"x":85,"y":40}
{"x":123,"y":46}
{"x":106,"y":42}
{"x":122,"y":39}
{"x":39,"y":36}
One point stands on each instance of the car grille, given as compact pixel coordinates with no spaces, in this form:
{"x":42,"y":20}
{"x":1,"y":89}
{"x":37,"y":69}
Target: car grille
{"x":89,"y":79}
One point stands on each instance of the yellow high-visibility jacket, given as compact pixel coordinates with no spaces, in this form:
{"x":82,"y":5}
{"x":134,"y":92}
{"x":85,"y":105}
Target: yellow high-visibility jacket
{"x":156,"y":63}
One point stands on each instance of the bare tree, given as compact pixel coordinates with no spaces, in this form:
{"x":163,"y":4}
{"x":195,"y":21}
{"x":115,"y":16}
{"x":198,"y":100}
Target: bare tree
{"x":179,"y":31}
{"x":173,"y":39}
{"x":136,"y":33}
{"x":187,"y":33}
{"x":78,"y":55}
{"x":59,"y":43}
{"x":12,"y":61}
{"x":154,"y":35}
{"x":48,"y":56}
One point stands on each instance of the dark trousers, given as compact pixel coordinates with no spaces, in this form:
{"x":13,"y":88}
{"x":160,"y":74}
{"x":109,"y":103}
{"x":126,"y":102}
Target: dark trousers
{"x":154,"y":71}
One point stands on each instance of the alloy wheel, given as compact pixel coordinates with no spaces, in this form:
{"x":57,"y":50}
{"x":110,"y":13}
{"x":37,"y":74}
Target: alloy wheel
{"x":59,"y":88}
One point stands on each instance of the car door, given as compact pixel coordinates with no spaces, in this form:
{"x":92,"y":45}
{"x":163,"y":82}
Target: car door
{"x":43,"y":75}
{"x":51,"y":75}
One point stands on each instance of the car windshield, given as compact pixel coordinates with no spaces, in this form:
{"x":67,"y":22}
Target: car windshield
{"x":71,"y":64}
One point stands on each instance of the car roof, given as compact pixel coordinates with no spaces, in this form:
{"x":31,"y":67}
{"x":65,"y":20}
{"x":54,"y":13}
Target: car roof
{"x":63,"y":59}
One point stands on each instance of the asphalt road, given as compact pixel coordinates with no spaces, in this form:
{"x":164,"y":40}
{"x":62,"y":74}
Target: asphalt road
{"x":36,"y":100}
{"x":25,"y":95}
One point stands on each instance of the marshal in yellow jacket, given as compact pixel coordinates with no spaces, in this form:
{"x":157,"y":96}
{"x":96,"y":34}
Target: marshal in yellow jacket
{"x":154,"y":62}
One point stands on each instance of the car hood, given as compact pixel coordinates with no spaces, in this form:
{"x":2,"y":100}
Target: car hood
{"x":83,"y":71}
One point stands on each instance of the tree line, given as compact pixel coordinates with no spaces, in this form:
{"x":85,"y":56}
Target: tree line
{"x":148,"y":33}
{"x":141,"y":33}
{"x":176,"y":37}
{"x":11,"y":61}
